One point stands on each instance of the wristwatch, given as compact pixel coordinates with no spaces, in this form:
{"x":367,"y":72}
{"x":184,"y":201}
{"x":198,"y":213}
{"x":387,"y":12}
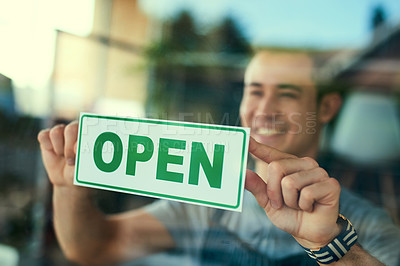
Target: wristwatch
{"x":338,"y":247}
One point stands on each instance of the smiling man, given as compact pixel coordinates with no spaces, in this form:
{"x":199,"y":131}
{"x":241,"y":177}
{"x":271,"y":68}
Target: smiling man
{"x":292,"y":218}
{"x":279,"y":96}
{"x":281,"y":105}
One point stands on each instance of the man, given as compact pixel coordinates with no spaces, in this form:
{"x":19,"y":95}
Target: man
{"x":293,"y":193}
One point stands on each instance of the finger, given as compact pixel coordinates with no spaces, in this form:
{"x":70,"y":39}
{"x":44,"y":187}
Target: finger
{"x":292,"y":184}
{"x":276,"y":173}
{"x":257,"y":187}
{"x":57,"y":139}
{"x":70,"y":134}
{"x":266,"y":153}
{"x":325,"y":194}
{"x":44,"y":140}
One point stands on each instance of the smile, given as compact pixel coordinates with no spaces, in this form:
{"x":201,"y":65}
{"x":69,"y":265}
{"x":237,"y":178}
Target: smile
{"x":268,"y":131}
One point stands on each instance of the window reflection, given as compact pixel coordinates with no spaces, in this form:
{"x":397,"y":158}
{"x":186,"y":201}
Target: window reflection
{"x":164,"y":59}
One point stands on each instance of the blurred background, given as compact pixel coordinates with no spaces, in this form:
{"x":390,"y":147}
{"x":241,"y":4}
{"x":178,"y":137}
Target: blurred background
{"x":183,"y":60}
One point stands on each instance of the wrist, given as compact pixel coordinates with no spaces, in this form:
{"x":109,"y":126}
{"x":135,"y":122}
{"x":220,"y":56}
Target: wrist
{"x":322,"y":241}
{"x":72,"y":192}
{"x":338,"y":247}
{"x":319,"y":244}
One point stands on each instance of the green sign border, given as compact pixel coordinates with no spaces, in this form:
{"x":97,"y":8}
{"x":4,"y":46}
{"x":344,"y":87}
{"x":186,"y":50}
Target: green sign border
{"x":153,"y":194}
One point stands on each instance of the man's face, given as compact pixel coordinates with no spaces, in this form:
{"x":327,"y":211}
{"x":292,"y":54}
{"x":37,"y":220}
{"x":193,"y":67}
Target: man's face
{"x":279,"y":103}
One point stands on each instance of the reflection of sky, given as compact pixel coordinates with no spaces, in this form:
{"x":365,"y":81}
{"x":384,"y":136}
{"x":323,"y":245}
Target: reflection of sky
{"x":27,"y":34}
{"x":321,"y":24}
{"x":27,"y":42}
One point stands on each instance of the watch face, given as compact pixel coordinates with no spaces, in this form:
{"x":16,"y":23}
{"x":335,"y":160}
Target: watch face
{"x":342,"y":222}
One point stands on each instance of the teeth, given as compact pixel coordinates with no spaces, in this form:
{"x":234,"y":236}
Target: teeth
{"x":267,"y":131}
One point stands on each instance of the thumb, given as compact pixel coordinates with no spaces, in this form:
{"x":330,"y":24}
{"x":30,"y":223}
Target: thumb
{"x":255,"y":184}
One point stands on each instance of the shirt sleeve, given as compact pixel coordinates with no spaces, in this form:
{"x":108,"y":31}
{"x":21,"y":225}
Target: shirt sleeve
{"x":377,"y":233}
{"x":187,"y":223}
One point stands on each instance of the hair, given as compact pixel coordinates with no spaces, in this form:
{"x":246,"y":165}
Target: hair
{"x":325,"y":81}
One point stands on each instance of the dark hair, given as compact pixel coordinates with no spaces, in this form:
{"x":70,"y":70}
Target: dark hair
{"x":322,"y":75}
{"x":332,"y":86}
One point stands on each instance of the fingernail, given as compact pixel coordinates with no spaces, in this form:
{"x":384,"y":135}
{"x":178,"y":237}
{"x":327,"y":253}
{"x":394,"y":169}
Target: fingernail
{"x":274,"y":204}
{"x":70,"y":161}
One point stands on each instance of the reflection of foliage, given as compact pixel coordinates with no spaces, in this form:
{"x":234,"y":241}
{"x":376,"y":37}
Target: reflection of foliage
{"x":18,"y":128}
{"x":378,"y":17}
{"x":179,"y":36}
{"x":228,"y":38}
{"x":157,"y":51}
{"x":18,"y":166}
{"x":15,"y":212}
{"x":183,"y":35}
{"x":189,"y":70}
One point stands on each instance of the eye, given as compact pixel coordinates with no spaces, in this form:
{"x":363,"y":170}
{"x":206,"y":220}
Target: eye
{"x":256,"y":93}
{"x":291,"y":95}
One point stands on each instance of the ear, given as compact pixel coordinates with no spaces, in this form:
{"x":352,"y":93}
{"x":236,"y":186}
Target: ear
{"x":329,"y":107}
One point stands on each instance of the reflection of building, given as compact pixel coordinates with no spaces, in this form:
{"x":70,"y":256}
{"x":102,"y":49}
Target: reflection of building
{"x":374,"y":71}
{"x":377,"y":67}
{"x":198,"y":75}
{"x":367,"y":132}
{"x":7,"y":104}
{"x":199,"y":87}
{"x":109,"y":71}
{"x":88,"y":72}
{"x":104,"y":72}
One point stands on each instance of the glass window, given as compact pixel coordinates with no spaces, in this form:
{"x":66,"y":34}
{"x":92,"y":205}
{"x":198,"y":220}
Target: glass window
{"x":187,"y":61}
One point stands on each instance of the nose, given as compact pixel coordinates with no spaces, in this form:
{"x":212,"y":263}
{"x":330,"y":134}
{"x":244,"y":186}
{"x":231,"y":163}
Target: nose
{"x":267,"y":106}
{"x":266,"y":110}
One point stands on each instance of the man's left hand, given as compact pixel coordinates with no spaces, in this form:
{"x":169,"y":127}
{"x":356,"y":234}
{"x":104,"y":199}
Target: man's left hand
{"x":297,"y":195}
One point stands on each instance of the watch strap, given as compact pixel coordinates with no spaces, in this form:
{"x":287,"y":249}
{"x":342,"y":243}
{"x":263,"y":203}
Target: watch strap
{"x":338,"y":247}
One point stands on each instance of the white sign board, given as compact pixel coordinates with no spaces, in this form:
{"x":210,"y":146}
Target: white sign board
{"x":195,"y":163}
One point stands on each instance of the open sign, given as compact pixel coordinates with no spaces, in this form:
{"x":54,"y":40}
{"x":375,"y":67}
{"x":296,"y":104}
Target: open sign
{"x":195,"y":163}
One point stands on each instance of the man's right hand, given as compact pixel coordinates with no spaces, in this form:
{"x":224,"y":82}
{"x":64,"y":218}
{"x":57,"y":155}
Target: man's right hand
{"x":58,"y":146}
{"x":85,"y":234}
